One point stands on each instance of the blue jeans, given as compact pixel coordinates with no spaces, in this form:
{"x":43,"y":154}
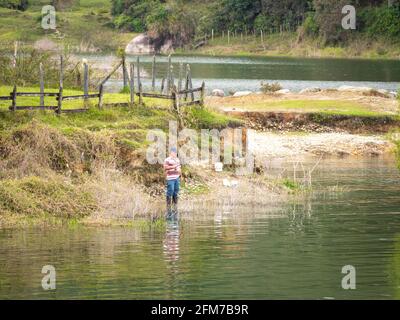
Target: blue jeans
{"x":173,"y":187}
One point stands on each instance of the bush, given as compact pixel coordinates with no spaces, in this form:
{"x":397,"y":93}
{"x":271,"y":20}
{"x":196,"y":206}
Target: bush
{"x":270,"y":87}
{"x":14,"y":4}
{"x":310,"y":26}
{"x":381,"y":21}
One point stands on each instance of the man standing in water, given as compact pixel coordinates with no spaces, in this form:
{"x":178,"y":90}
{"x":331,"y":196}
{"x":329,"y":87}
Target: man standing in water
{"x":172,"y":167}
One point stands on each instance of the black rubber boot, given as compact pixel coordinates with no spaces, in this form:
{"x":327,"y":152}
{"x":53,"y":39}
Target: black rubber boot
{"x":169,"y":207}
{"x":175,"y":202}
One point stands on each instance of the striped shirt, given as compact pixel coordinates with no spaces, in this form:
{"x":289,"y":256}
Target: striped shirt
{"x":175,"y":168}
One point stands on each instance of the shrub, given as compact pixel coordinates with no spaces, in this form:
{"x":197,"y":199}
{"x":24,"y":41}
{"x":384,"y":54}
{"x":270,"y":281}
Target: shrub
{"x":270,"y":87}
{"x":310,"y":26}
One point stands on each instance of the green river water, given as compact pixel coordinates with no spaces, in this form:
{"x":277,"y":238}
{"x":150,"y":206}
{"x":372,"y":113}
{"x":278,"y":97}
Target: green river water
{"x":290,"y":250}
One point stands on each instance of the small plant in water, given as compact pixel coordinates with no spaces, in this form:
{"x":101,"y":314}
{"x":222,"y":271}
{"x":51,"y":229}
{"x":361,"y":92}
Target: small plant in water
{"x":291,"y":185}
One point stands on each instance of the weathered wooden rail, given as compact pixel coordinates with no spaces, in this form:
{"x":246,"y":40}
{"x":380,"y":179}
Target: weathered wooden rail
{"x":180,"y":96}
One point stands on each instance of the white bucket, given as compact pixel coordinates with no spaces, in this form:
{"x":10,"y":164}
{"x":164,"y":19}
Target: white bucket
{"x":219,"y":167}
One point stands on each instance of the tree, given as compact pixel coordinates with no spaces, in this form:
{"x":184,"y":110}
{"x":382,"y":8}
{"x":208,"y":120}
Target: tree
{"x":14,"y":4}
{"x":328,"y":15}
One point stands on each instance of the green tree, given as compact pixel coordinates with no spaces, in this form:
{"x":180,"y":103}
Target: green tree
{"x":14,"y":4}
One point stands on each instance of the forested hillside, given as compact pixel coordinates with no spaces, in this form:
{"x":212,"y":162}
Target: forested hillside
{"x":290,"y":27}
{"x":183,"y":19}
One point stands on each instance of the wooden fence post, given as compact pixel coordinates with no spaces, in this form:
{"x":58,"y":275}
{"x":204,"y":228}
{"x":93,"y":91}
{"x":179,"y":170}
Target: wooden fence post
{"x":140,"y":94}
{"x":162,"y":85}
{"x":190,"y":83}
{"x":212,"y":34}
{"x":138,"y":73}
{"x":14,"y":98}
{"x":132,"y":83}
{"x":41,"y":81}
{"x":175,"y":99}
{"x":187,"y":81}
{"x":172,"y":76}
{"x":15,"y":54}
{"x":85,"y":79}
{"x":60,"y":92}
{"x":153,"y":75}
{"x":202,"y":93}
{"x":169,"y":86}
{"x":180,"y":76}
{"x":101,"y":88}
{"x":124,"y":72}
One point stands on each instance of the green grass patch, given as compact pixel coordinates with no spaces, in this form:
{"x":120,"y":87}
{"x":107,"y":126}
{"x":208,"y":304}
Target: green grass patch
{"x":83,"y":27}
{"x":332,"y":107}
{"x":203,"y":118}
{"x":35,"y":196}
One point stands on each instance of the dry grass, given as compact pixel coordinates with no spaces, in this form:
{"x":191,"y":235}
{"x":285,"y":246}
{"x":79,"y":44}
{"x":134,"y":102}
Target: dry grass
{"x":119,"y":197}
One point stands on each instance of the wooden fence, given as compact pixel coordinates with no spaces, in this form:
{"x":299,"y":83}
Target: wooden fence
{"x":180,"y":96}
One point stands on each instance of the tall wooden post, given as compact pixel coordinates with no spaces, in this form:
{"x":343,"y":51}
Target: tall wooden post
{"x":101,"y":89}
{"x":175,"y":99}
{"x":153,"y":75}
{"x":124,"y":72}
{"x":190,"y":83}
{"x":187,"y":81}
{"x":138,"y":72}
{"x":172,"y":76}
{"x":180,"y":76}
{"x":169,"y":85}
{"x":14,"y":99}
{"x":15,"y":54}
{"x":212,"y":35}
{"x":162,"y":85}
{"x":41,"y":84}
{"x":60,"y":92}
{"x":85,"y":79}
{"x":202,"y":93}
{"x":132,"y":83}
{"x":140,"y":94}
{"x":229,"y":37}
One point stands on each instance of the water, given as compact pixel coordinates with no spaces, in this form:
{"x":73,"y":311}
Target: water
{"x":243,"y":73}
{"x":290,"y":250}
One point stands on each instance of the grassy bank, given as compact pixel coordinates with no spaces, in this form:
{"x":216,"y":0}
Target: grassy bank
{"x":84,"y":27}
{"x":85,"y":165}
{"x":287,"y":45}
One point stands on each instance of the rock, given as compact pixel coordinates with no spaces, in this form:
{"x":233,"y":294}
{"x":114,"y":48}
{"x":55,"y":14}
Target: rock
{"x":354,"y":89}
{"x":242,"y":93}
{"x":167,"y":47}
{"x":283,"y":91}
{"x":310,"y":90}
{"x":393,"y":94}
{"x":383,"y":91}
{"x":230,"y":183}
{"x":45,"y":45}
{"x":218,"y":93}
{"x":141,"y":44}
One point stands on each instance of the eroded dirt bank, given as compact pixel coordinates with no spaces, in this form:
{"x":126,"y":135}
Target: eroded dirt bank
{"x":316,"y":122}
